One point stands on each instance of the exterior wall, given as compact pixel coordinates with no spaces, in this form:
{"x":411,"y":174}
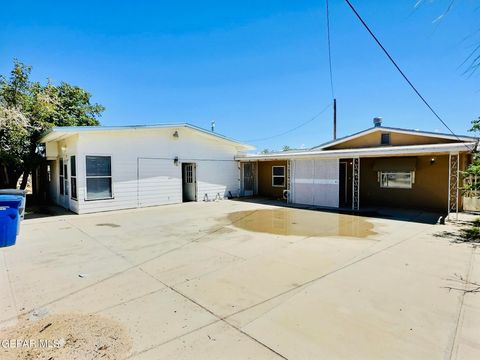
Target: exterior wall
{"x":65,"y":149}
{"x":315,"y":182}
{"x":265,"y":187}
{"x":429,"y":192}
{"x":144,"y":160}
{"x":396,"y":139}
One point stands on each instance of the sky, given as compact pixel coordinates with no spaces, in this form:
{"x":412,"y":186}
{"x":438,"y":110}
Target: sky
{"x":256,"y":68}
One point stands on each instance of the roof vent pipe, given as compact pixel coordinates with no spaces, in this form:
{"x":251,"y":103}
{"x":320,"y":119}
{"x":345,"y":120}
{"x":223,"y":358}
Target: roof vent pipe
{"x":377,"y":121}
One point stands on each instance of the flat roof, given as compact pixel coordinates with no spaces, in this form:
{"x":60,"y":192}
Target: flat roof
{"x":61,"y":132}
{"x":402,"y":150}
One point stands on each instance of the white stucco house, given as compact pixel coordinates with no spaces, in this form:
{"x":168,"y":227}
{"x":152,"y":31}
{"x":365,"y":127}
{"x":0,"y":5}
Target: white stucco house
{"x":104,"y":168}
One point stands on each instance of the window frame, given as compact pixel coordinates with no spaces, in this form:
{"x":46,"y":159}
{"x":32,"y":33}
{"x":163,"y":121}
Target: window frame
{"x":73,"y":177}
{"x":61,"y":177}
{"x":284,"y":176}
{"x":389,"y":138}
{"x":382,"y":173}
{"x":99,"y":177}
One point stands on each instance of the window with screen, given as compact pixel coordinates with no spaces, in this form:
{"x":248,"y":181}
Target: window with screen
{"x":278,"y":176}
{"x":396,"y":180}
{"x":99,"y":177}
{"x":73,"y":178}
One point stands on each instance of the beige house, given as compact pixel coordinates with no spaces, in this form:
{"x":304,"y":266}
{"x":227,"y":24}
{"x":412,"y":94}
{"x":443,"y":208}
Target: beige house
{"x":381,"y":166}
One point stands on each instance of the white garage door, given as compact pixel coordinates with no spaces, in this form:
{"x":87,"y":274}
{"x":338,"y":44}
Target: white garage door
{"x":159,"y":182}
{"x":315,"y":182}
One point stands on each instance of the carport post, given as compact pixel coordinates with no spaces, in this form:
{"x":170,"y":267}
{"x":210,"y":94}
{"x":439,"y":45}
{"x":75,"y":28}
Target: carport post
{"x":356,"y":184}
{"x":453,"y":183}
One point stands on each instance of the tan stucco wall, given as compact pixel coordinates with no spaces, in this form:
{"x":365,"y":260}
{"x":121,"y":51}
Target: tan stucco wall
{"x":396,"y":139}
{"x":265,"y":187}
{"x":430,"y":190}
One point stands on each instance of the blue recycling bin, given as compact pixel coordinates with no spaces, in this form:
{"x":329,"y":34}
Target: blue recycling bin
{"x":9,"y":217}
{"x":8,"y":226}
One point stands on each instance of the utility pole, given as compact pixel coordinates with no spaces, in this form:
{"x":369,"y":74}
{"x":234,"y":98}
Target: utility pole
{"x":334,"y":119}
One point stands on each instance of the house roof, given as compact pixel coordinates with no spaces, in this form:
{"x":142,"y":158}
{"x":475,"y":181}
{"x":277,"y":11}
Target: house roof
{"x":397,"y":130}
{"x":365,"y":152}
{"x":62,"y":132}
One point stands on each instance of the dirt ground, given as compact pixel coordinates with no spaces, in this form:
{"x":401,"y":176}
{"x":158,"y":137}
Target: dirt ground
{"x":67,"y":336}
{"x":238,"y":280}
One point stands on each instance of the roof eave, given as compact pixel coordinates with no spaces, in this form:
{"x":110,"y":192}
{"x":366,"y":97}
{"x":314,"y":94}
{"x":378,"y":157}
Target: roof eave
{"x":411,"y":150}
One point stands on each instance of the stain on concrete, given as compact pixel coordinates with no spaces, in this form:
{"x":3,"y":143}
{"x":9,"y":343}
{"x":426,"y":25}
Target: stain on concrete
{"x":109,"y":225}
{"x":286,"y":221}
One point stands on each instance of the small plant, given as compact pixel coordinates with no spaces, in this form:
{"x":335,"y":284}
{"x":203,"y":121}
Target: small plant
{"x":476,"y":222}
{"x":471,"y":234}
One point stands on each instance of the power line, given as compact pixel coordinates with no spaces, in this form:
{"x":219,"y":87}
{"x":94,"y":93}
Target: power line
{"x":292,"y":129}
{"x":400,"y":70}
{"x":329,"y":49}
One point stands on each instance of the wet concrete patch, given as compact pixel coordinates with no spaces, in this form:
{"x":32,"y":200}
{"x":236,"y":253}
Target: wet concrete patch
{"x":287,"y":221}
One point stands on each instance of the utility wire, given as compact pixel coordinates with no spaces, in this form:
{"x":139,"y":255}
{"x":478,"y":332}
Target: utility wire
{"x":292,"y":129}
{"x":401,"y":72}
{"x":329,"y":49}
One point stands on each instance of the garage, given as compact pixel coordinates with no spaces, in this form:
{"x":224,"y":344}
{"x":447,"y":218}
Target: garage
{"x":314,"y":182}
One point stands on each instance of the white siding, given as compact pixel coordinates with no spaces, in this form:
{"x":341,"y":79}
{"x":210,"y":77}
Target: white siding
{"x":159,"y":182}
{"x":217,"y":178}
{"x":143,"y":169}
{"x":315,"y":182}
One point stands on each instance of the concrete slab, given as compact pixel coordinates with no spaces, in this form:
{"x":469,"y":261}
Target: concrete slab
{"x":230,"y":279}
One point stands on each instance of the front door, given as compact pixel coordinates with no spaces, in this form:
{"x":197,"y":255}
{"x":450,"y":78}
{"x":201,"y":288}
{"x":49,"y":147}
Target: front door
{"x":248,"y":179}
{"x":189,"y":182}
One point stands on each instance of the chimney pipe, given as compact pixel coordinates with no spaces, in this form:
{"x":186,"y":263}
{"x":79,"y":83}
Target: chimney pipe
{"x":377,"y":121}
{"x":213,"y":126}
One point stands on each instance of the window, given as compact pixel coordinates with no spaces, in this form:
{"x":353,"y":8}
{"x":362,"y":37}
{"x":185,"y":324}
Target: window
{"x":385,"y":139}
{"x":99,"y":177}
{"x":61,"y":180}
{"x":396,"y":180}
{"x":278,"y":176}
{"x":73,"y":178}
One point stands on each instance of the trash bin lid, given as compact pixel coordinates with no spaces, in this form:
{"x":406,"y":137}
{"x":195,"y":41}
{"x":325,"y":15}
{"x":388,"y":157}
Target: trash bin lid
{"x":13,"y":201}
{"x":13,"y":192}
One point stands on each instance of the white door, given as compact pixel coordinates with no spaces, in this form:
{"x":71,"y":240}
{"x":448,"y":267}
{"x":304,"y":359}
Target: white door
{"x":159,"y":182}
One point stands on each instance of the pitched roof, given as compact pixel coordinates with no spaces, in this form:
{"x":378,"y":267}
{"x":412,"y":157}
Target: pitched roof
{"x":61,"y":132}
{"x":397,"y":130}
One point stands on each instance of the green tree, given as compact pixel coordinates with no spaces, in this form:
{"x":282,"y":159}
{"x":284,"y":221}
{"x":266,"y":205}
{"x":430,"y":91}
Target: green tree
{"x":286,"y":148}
{"x":473,"y":170}
{"x":264,"y":151}
{"x":27,"y":110}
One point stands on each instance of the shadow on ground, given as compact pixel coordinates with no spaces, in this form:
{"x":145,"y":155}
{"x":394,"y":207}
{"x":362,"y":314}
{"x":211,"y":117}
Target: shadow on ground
{"x":42,"y":211}
{"x":411,"y":215}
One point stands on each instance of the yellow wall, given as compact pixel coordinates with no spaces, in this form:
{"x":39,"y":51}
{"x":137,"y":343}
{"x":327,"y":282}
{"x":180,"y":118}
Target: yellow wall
{"x":430,"y":190}
{"x":265,"y":187}
{"x":396,"y":139}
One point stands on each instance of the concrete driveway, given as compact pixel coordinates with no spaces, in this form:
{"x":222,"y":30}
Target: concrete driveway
{"x":237,"y":280}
